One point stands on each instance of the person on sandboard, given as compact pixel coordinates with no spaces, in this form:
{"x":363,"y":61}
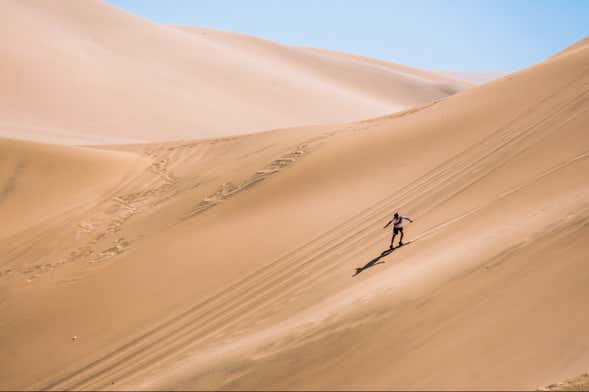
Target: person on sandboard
{"x":397,"y":222}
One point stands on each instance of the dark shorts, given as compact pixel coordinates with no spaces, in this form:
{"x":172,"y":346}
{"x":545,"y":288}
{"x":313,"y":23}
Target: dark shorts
{"x":397,"y":230}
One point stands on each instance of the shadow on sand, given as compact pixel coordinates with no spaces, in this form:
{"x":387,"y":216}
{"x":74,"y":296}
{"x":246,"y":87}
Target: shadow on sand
{"x":376,"y":260}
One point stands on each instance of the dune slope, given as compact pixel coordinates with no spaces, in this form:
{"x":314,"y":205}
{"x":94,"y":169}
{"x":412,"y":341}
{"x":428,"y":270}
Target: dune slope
{"x":253,"y":261}
{"x":40,"y":180}
{"x":88,"y":73}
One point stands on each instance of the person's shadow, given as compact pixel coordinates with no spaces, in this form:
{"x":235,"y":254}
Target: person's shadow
{"x":376,"y":260}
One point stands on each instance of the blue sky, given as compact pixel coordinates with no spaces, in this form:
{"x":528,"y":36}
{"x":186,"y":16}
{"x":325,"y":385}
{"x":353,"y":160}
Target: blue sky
{"x":453,"y":35}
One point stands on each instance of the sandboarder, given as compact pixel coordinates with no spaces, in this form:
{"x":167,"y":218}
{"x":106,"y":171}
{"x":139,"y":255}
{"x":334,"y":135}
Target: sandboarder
{"x":397,"y":222}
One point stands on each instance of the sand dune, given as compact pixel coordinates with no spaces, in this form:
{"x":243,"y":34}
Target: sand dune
{"x":40,"y":180}
{"x":89,"y":73}
{"x":229,"y":263}
{"x":477,"y":77}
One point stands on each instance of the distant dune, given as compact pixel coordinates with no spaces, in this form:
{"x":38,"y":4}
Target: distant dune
{"x":260,"y":261}
{"x":477,"y":77}
{"x":88,"y":72}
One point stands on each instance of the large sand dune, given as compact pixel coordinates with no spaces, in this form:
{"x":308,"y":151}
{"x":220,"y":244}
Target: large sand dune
{"x":233,"y":262}
{"x":87,"y":72}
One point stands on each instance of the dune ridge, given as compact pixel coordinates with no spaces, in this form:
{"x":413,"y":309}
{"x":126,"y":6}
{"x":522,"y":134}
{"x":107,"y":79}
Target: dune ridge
{"x":477,"y":77}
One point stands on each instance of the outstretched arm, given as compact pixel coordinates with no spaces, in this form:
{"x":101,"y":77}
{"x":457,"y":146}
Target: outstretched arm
{"x":407,"y":218}
{"x":387,"y":225}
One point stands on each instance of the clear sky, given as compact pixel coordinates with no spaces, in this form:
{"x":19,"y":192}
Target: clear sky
{"x":471,"y":35}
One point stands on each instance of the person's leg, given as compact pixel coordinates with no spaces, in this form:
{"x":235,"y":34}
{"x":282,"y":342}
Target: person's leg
{"x":392,"y":240}
{"x":401,"y":239}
